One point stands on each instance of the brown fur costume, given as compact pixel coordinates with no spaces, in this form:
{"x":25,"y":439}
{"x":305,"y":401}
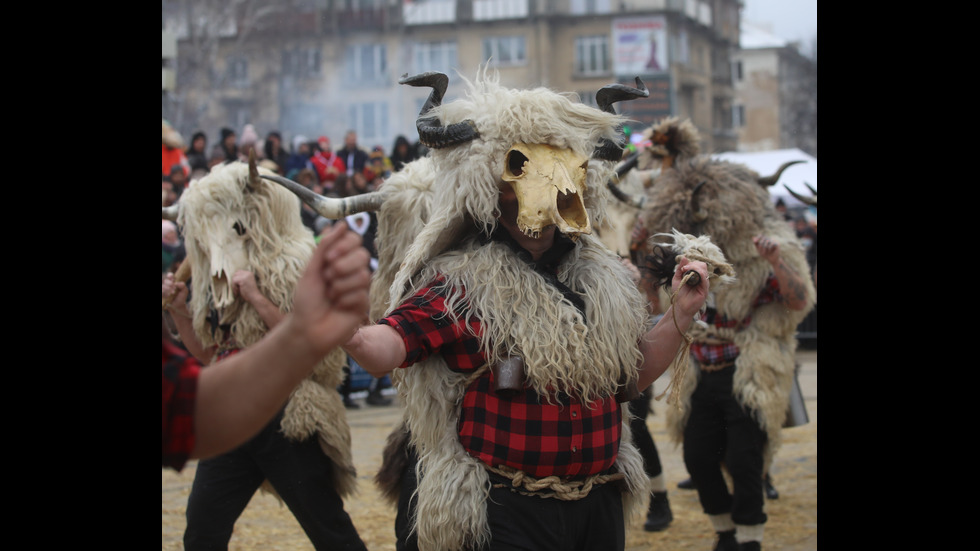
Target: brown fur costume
{"x":735,"y":207}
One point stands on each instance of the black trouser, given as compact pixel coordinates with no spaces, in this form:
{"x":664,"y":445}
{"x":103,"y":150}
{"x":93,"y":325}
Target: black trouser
{"x":640,"y":407}
{"x":528,"y":523}
{"x":720,"y":430}
{"x":299,"y":472}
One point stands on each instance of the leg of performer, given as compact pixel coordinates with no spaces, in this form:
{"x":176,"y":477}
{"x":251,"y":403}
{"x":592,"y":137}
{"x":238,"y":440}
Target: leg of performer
{"x":744,"y":460}
{"x":659,"y":515}
{"x":704,"y":449}
{"x":523,"y":523}
{"x":406,"y":538}
{"x":301,"y":474}
{"x":222,"y":488}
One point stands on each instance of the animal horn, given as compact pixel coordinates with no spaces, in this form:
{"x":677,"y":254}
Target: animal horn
{"x":812,"y":201}
{"x":767,"y":181}
{"x":253,"y":170}
{"x":633,"y":200}
{"x":609,"y":150}
{"x":432,"y":133}
{"x":171,"y":212}
{"x":331,"y":207}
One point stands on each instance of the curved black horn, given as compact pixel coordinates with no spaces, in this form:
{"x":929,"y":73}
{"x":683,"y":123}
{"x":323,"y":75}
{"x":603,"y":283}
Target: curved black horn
{"x":609,"y":150}
{"x":331,"y":207}
{"x":432,"y":133}
{"x":637,"y":200}
{"x":766,"y":181}
{"x":812,"y":201}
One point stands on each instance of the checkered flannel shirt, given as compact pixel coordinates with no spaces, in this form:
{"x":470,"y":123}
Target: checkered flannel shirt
{"x":180,"y":373}
{"x":565,"y":438}
{"x":707,"y":354}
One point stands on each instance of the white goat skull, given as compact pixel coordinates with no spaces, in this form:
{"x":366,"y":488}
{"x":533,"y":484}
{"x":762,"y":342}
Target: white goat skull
{"x":550,"y":184}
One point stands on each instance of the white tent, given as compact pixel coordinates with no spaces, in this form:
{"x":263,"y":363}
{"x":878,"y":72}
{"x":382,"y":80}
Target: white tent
{"x":797,"y":176}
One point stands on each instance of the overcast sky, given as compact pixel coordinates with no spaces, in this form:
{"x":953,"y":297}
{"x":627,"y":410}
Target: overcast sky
{"x":790,"y":19}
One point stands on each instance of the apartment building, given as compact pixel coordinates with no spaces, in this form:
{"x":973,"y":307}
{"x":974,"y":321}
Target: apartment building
{"x":320,"y":67}
{"x":776,"y":93}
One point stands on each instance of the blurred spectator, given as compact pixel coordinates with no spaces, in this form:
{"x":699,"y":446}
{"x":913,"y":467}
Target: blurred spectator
{"x":352,"y":155}
{"x":197,"y":153}
{"x":378,"y":167}
{"x":173,"y":150}
{"x":178,"y":178}
{"x":299,"y":158}
{"x":225,"y":150}
{"x":169,"y":195}
{"x":781,"y":209}
{"x":402,"y":153}
{"x":172,"y":246}
{"x":275,"y":152}
{"x":307,"y":178}
{"x":249,"y":142}
{"x":328,"y":164}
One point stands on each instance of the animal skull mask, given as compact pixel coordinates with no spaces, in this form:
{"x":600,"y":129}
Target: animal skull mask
{"x":550,"y":184}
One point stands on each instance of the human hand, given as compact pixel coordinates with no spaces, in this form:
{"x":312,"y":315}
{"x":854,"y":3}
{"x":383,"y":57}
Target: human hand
{"x":690,"y":298}
{"x":243,"y":284}
{"x":331,"y":297}
{"x":767,"y":248}
{"x":175,"y":295}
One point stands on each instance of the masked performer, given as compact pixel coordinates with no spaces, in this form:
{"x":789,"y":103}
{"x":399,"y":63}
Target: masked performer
{"x":514,"y":337}
{"x":248,"y":246}
{"x":733,"y":402}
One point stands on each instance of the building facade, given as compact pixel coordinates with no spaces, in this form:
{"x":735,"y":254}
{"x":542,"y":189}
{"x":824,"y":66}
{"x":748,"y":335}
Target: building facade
{"x":321,"y":67}
{"x":776,"y":94}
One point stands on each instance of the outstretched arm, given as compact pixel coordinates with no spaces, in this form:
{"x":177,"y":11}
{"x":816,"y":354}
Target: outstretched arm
{"x":661,"y":344}
{"x":791,"y":285}
{"x":379,"y":349}
{"x":238,"y":395}
{"x":182,"y":319}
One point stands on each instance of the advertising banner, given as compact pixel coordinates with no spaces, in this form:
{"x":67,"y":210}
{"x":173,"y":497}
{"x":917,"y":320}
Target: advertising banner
{"x":639,"y":46}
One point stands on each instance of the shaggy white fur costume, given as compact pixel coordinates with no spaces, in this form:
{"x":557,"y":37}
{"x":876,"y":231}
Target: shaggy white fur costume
{"x":433,"y":211}
{"x":277,"y":247}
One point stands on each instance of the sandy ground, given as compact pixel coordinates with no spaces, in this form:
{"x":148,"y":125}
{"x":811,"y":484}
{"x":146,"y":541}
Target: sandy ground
{"x":792,"y":526}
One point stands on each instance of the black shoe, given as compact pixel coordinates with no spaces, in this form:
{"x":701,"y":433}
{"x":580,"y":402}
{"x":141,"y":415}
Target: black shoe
{"x":686,"y":484}
{"x":771,"y":492}
{"x":750,"y":546}
{"x":376,"y":399}
{"x":726,"y":541}
{"x":349,"y":403}
{"x":659,"y":515}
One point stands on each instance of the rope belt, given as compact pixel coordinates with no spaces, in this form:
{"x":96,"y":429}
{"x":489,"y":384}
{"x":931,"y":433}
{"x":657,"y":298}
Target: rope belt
{"x":716,"y":367}
{"x":551,"y":486}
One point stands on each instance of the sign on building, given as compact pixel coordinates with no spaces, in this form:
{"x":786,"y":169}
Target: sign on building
{"x":640,"y":46}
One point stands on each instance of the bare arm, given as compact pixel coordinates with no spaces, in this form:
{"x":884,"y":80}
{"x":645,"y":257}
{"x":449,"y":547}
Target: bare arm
{"x":238,"y":395}
{"x":243,"y":283}
{"x":661,"y":344}
{"x":791,"y":285}
{"x":183,"y":321}
{"x":379,"y":349}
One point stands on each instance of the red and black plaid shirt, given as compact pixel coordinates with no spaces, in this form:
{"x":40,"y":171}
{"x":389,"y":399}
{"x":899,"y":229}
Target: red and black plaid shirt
{"x":180,"y":372}
{"x":564,"y":438}
{"x":727,"y":352}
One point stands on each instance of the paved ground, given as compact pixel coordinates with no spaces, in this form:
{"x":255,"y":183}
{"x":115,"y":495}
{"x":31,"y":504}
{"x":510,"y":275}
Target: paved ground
{"x":792,"y":526}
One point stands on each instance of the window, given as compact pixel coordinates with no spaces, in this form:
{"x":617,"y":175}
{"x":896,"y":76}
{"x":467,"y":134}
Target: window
{"x":738,"y":71}
{"x":301,"y":62}
{"x":435,"y":56}
{"x":237,"y":71}
{"x":592,"y":55}
{"x":738,"y":116}
{"x":582,"y":7}
{"x":365,"y":64}
{"x":370,"y":120}
{"x":505,"y":50}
